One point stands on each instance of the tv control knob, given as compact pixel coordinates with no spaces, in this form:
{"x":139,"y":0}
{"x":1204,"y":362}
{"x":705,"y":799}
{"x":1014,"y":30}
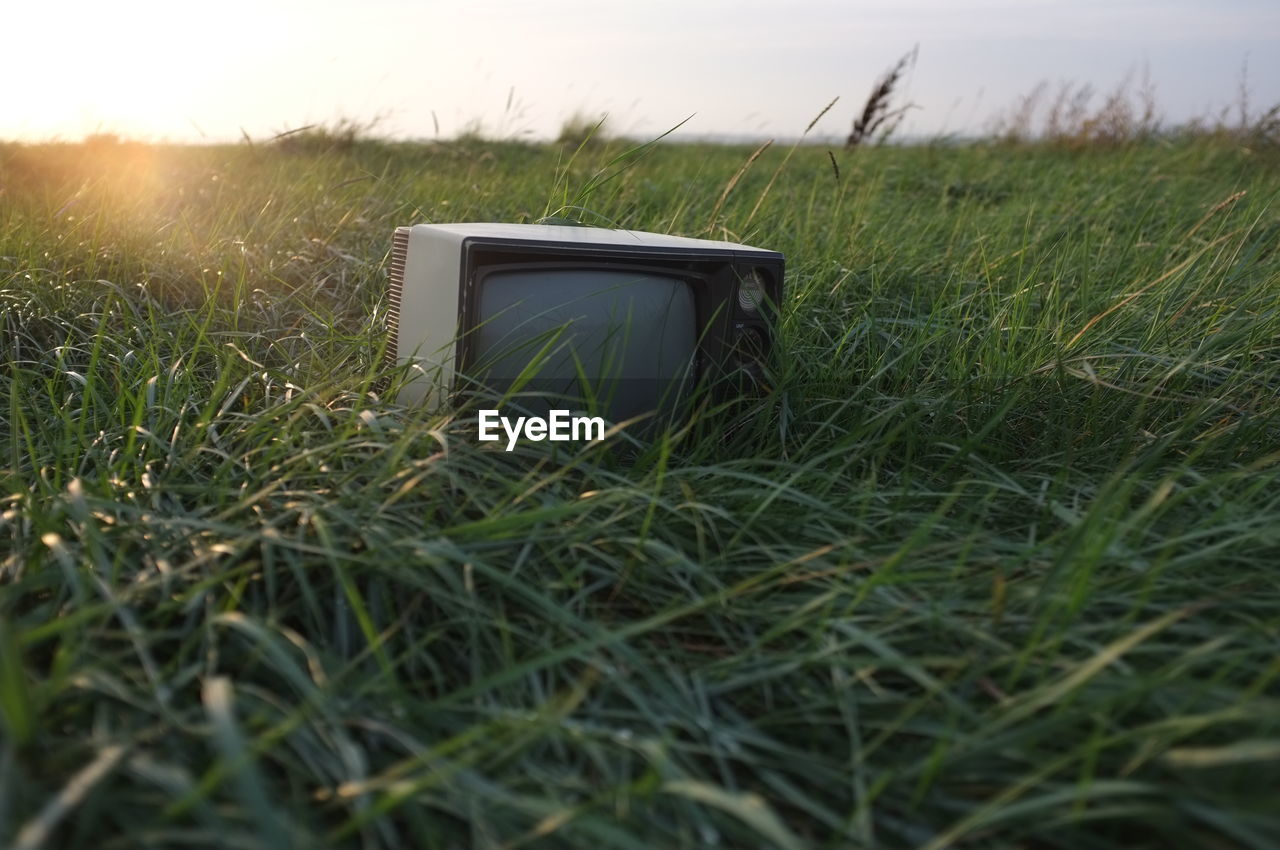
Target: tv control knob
{"x":751,"y":291}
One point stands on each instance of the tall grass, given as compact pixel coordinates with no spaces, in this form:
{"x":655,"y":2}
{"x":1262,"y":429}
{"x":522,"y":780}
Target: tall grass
{"x":1073,"y":115}
{"x":992,"y":564}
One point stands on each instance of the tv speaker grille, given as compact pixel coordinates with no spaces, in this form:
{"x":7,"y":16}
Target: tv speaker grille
{"x":395,"y":288}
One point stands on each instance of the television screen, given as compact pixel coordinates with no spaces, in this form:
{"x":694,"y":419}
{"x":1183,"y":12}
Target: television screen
{"x":616,"y":339}
{"x":614,"y":323}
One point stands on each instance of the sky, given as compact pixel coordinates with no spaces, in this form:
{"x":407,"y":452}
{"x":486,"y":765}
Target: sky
{"x":182,"y":71}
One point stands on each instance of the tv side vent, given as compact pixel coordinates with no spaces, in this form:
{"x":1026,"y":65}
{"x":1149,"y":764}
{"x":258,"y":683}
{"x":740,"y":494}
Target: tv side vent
{"x":395,"y":286}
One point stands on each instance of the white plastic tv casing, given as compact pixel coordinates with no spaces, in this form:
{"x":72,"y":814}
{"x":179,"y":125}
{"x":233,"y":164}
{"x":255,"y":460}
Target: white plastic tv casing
{"x":429,"y":288}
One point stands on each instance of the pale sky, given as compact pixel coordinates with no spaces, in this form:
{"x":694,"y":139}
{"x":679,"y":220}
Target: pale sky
{"x":185,"y":71}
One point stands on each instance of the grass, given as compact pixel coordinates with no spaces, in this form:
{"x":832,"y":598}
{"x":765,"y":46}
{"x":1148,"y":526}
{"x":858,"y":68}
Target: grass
{"x":993,"y":565}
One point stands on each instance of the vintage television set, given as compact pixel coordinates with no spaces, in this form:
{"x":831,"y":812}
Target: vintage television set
{"x":617,"y":322}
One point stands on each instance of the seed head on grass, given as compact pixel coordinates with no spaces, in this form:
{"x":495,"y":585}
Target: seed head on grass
{"x":878,"y":110}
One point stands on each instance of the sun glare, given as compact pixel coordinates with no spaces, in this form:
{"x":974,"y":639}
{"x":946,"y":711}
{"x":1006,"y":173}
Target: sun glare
{"x":133,"y":68}
{"x":151,"y":70}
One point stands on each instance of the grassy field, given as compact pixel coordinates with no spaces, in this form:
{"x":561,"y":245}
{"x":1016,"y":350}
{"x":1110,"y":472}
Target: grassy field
{"x":995,"y":564}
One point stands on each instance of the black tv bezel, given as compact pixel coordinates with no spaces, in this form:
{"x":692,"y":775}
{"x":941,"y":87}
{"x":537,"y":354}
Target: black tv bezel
{"x":713,"y":274}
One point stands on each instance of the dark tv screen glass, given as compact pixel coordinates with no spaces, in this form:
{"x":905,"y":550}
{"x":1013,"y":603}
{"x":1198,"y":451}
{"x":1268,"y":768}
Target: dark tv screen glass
{"x":632,"y":334}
